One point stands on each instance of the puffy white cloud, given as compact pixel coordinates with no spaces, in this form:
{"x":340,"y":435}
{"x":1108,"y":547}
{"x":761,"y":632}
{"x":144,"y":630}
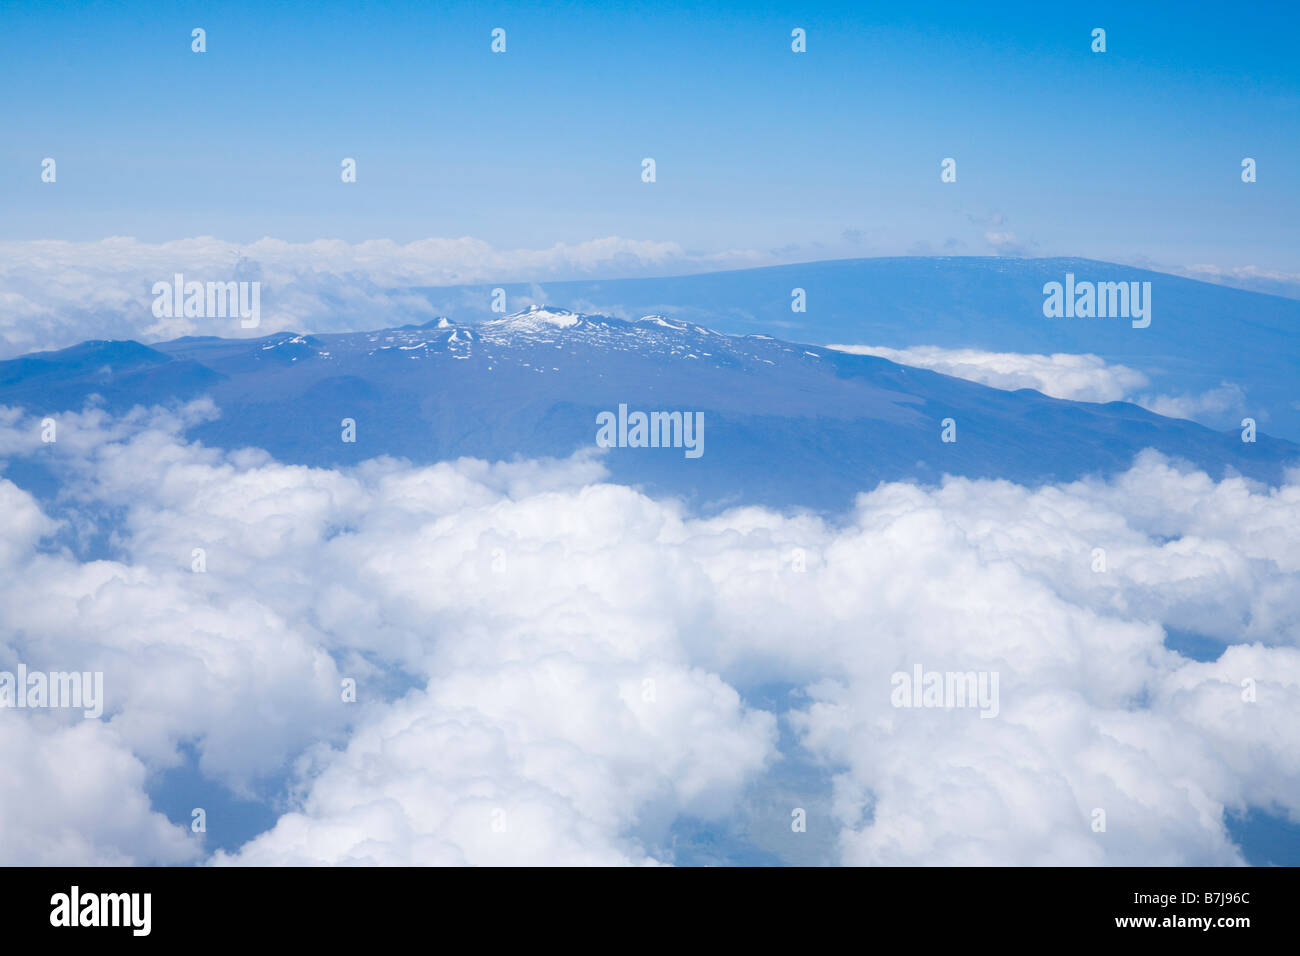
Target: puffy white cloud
{"x":550,"y":759}
{"x":585,"y":726}
{"x":1082,"y":378}
{"x":74,"y":793}
{"x":555,"y":669}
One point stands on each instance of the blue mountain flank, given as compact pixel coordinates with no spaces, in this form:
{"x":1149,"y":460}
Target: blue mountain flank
{"x":1202,"y":335}
{"x":784,"y":424}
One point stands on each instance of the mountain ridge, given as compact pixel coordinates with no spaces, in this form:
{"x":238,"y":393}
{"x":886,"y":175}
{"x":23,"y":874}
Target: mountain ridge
{"x":786,"y":424}
{"x":1202,"y":336}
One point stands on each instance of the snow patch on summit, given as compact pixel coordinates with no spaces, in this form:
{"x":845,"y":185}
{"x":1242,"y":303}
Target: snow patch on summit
{"x":539,"y":316}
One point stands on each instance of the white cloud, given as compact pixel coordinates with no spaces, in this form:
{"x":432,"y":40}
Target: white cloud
{"x":1251,"y":277}
{"x":503,"y":623}
{"x":54,"y":293}
{"x":1082,"y":378}
{"x":1241,"y":272}
{"x":74,"y":793}
{"x":1007,"y":243}
{"x":1079,"y":378}
{"x":1227,"y":399}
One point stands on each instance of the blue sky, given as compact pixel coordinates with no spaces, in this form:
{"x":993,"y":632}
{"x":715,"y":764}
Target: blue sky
{"x":1131,"y":155}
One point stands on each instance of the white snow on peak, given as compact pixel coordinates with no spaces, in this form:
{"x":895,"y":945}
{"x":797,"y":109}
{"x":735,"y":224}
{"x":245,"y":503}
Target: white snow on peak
{"x":677,"y":325}
{"x":284,"y":339}
{"x":662,"y":320}
{"x":537,"y":316}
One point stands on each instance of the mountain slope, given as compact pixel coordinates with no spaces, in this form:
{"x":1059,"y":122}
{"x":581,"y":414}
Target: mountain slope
{"x":784,"y":424}
{"x":1201,"y":334}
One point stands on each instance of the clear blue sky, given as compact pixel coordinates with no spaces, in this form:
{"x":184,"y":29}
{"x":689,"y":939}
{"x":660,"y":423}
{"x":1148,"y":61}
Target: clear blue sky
{"x":1131,"y":154}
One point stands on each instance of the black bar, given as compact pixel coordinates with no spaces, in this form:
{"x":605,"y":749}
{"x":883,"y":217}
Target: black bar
{"x":334,"y":906}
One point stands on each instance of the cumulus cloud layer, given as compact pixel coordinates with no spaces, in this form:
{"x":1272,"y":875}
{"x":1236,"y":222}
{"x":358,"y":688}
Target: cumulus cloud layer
{"x":554,"y":669}
{"x":54,"y":293}
{"x":1080,"y":378}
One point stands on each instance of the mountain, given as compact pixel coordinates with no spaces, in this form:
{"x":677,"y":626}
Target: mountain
{"x":785,"y":424}
{"x":1201,"y":335}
